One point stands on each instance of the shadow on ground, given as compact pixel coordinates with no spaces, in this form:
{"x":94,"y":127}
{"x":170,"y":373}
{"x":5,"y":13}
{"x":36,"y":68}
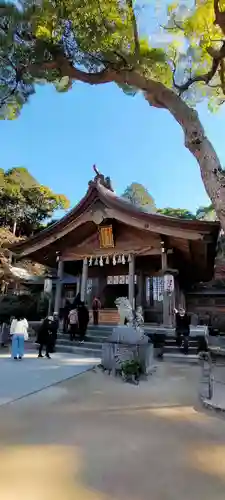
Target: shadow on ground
{"x":94,"y":437}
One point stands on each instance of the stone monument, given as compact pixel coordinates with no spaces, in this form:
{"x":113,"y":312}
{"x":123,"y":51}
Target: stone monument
{"x":128,"y":341}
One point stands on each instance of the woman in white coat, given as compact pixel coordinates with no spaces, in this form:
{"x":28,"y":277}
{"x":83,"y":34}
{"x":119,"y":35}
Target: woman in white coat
{"x":19,"y":332}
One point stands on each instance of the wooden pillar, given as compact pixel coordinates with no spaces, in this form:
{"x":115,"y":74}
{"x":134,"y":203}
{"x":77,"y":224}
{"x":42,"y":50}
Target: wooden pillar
{"x":84,"y":278}
{"x":78,"y":285}
{"x":166,"y":298}
{"x":141,"y":285}
{"x":131,"y":281}
{"x":58,"y":292}
{"x":166,"y":302}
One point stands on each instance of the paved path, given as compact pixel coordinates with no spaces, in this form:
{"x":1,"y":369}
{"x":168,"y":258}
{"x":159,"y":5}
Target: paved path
{"x":20,"y":378}
{"x":96,"y":438}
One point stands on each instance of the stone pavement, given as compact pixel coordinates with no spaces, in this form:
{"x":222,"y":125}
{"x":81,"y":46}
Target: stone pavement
{"x":95,"y":438}
{"x":20,"y":378}
{"x":217,"y":402}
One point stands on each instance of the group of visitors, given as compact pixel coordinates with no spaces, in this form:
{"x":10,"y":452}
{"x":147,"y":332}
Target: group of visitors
{"x":76,"y":321}
{"x":46,"y":336}
{"x":76,"y":318}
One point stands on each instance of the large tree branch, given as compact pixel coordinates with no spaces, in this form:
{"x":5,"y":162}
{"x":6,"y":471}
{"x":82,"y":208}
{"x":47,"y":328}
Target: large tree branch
{"x":222,"y":73}
{"x":219,"y":16}
{"x":217,"y":56}
{"x":67,"y":69}
{"x":135,"y":29}
{"x":206,"y":77}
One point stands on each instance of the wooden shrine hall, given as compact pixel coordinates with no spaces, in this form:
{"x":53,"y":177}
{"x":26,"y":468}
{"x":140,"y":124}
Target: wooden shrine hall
{"x":115,"y":249}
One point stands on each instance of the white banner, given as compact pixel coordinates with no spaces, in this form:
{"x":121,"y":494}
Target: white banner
{"x":169,"y":283}
{"x":47,"y":285}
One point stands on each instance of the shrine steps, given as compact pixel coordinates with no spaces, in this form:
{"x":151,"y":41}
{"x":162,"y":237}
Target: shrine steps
{"x":96,"y":336}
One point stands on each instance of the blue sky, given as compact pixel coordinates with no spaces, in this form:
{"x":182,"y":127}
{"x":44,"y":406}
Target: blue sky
{"x":58,"y":137}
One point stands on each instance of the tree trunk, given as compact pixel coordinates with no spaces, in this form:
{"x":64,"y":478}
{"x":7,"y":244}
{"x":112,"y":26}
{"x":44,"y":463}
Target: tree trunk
{"x":195,"y":139}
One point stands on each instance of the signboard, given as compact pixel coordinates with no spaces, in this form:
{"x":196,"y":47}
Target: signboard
{"x":106,"y":237}
{"x":89,"y":286}
{"x":48,"y":285}
{"x":120,"y":280}
{"x":169,"y":283}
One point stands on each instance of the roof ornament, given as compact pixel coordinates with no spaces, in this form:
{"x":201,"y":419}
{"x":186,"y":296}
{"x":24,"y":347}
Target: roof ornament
{"x":104,"y":181}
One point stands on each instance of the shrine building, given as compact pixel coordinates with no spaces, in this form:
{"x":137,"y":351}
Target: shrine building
{"x":115,"y":249}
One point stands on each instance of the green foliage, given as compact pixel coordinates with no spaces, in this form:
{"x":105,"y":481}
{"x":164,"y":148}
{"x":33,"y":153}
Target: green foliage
{"x":139,"y":196}
{"x":203,"y":38}
{"x":92,"y":34}
{"x":41,"y":41}
{"x":24,"y":203}
{"x":206,"y":213}
{"x":132,"y":368}
{"x":32,"y":306}
{"x":202,"y":213}
{"x":180,"y":213}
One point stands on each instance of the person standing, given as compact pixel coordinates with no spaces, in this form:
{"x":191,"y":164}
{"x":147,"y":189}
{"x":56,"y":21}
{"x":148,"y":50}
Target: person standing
{"x":83,"y":320}
{"x":45,"y":336}
{"x":66,"y":311}
{"x":96,"y":306}
{"x":77,"y":300}
{"x":73,"y":323}
{"x":54,"y":329}
{"x":182,"y":328}
{"x":19,"y":333}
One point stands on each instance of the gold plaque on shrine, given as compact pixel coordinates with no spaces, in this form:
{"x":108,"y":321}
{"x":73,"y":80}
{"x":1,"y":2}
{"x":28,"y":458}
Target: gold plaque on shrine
{"x":106,"y":237}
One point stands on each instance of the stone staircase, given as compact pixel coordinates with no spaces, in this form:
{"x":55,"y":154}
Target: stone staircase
{"x":92,"y":347}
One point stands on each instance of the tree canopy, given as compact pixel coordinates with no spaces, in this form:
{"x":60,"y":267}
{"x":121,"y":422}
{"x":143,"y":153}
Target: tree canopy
{"x":25,"y":204}
{"x":102,"y":41}
{"x":54,"y":40}
{"x":139,"y":196}
{"x":180,"y":213}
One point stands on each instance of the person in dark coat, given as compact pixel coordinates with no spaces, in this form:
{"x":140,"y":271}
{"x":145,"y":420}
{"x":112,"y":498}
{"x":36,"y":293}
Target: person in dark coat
{"x":54,"y":328}
{"x":83,"y":320}
{"x":96,"y":306}
{"x":77,"y":301}
{"x":182,"y":328}
{"x":45,"y":336}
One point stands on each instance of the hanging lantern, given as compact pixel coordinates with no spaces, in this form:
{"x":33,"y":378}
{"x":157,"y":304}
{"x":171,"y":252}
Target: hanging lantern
{"x":123,"y":260}
{"x":114,"y":260}
{"x":101,"y":263}
{"x":90,"y":261}
{"x":96,"y":262}
{"x":107,"y":260}
{"x":119,"y":260}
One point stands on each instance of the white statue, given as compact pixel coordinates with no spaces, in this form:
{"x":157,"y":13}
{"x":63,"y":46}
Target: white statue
{"x":122,"y":345}
{"x":132,"y":332}
{"x":124,"y":309}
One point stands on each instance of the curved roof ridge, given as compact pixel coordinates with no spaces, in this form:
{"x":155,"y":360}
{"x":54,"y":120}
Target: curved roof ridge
{"x":111,"y":196}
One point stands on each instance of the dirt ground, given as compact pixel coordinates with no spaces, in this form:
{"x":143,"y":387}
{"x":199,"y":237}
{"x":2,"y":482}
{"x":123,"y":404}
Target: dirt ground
{"x":94,"y":437}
